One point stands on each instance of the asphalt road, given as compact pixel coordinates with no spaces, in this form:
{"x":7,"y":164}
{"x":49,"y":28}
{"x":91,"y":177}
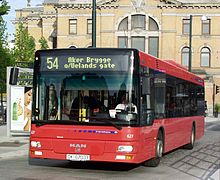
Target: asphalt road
{"x":203,"y":162}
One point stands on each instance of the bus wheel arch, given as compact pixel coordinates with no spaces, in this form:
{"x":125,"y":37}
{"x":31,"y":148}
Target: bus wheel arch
{"x":154,"y":162}
{"x":191,"y":144}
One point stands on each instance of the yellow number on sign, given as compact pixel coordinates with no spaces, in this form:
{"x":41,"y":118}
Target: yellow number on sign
{"x":52,"y":63}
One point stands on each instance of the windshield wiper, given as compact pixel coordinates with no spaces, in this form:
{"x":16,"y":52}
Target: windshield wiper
{"x":107,"y":121}
{"x":44,"y":122}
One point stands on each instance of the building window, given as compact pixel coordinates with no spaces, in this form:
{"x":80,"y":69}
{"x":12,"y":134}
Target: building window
{"x":205,"y":57}
{"x":122,"y":42}
{"x":72,"y":26}
{"x":185,"y":56}
{"x":138,"y":43}
{"x":123,"y":26}
{"x":89,"y":26}
{"x":186,"y":24}
{"x":206,"y":27}
{"x":153,"y":47}
{"x":128,"y":36}
{"x":152,"y":25}
{"x":138,"y":21}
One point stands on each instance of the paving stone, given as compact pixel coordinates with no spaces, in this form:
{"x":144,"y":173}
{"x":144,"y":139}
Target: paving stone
{"x":197,"y":172}
{"x":204,"y":165}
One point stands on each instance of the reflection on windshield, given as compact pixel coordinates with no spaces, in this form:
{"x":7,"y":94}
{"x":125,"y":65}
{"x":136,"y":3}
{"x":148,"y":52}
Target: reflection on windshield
{"x":88,"y":98}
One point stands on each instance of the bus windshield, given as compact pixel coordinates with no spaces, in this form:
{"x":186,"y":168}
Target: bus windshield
{"x":87,"y":98}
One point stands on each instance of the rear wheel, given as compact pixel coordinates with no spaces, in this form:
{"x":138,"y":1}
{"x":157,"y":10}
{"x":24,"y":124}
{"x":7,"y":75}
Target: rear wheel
{"x":192,"y":139}
{"x":154,"y":162}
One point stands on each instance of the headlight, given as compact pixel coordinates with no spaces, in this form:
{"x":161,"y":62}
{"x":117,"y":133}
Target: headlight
{"x":36,"y":144}
{"x":125,"y":148}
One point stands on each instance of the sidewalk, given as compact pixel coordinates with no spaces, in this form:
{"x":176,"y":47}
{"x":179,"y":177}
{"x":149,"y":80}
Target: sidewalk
{"x":211,"y":119}
{"x":13,"y":146}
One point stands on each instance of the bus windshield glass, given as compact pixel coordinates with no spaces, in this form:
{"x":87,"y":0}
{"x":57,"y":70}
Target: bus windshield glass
{"x":87,"y":96}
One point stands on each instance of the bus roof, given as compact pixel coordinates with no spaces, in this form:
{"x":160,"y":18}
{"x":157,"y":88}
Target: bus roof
{"x":60,"y":50}
{"x":169,"y":67}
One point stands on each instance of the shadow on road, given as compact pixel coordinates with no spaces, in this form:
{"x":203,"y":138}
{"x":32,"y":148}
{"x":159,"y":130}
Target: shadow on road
{"x":84,"y":165}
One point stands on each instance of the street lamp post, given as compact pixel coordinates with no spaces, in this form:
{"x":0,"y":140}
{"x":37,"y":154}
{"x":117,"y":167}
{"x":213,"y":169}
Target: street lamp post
{"x":203,"y":18}
{"x":93,"y":23}
{"x":190,"y":44}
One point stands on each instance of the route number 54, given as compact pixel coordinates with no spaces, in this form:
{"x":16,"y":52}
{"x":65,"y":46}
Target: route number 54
{"x":52,"y":63}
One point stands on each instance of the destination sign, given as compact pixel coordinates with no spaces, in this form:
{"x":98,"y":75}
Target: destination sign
{"x":85,"y":63}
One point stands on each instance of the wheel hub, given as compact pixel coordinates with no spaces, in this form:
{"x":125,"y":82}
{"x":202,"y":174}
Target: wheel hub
{"x":159,"y":148}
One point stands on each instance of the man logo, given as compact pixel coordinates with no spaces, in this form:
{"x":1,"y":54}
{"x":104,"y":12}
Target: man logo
{"x":78,"y":147}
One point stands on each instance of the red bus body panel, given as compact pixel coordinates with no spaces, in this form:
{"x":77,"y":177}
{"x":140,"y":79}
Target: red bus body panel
{"x":102,"y":141}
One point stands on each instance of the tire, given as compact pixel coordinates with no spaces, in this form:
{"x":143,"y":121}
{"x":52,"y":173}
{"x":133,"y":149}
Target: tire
{"x":154,"y":162}
{"x":192,"y":139}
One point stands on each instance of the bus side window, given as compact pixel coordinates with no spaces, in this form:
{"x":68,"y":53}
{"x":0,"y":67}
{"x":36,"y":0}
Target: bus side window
{"x":146,"y":113}
{"x":159,"y":90}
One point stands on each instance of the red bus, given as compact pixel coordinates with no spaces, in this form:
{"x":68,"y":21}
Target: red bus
{"x":112,"y":105}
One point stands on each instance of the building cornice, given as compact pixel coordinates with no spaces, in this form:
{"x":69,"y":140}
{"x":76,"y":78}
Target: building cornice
{"x":183,"y":5}
{"x":31,"y":9}
{"x":193,"y":14}
{"x":81,"y":4}
{"x":86,"y":6}
{"x":49,"y":15}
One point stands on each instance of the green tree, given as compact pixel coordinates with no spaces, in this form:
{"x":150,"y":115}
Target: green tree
{"x":43,"y":43}
{"x":5,"y":53}
{"x":4,"y":8}
{"x":24,"y":45}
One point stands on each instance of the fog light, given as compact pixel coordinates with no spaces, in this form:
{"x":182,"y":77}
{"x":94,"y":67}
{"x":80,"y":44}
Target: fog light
{"x":120,"y":157}
{"x":38,"y":153}
{"x":125,"y":148}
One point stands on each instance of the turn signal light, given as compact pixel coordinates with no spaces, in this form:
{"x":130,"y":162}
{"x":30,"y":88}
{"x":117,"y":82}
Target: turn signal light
{"x":128,"y":157}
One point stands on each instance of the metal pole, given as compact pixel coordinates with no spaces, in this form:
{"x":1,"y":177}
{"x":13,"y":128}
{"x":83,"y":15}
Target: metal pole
{"x":94,"y":23}
{"x":213,"y":100}
{"x":190,"y":44}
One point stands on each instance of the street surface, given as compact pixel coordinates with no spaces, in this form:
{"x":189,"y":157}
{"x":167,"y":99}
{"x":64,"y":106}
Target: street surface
{"x":203,"y":162}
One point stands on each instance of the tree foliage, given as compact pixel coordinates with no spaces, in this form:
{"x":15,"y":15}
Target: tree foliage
{"x":5,"y":53}
{"x":4,"y":8}
{"x":43,"y":43}
{"x":24,"y":45}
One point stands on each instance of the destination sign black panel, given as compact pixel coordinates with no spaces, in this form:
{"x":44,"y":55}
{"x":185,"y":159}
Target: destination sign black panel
{"x":84,"y":62}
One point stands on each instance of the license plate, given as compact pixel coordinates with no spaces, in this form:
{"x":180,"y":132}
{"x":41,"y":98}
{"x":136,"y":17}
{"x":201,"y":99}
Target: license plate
{"x":78,"y":157}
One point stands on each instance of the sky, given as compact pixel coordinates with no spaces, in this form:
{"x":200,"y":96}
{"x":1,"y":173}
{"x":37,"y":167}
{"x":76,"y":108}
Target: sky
{"x":16,"y":4}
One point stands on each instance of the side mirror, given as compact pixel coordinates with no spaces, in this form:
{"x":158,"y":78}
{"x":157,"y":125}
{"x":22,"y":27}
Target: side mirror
{"x":13,"y":76}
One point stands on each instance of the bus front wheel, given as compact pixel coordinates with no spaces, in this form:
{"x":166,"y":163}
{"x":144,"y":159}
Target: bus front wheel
{"x":154,"y":162}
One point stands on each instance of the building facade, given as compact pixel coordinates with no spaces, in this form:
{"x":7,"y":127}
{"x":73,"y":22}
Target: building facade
{"x":158,"y":27}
